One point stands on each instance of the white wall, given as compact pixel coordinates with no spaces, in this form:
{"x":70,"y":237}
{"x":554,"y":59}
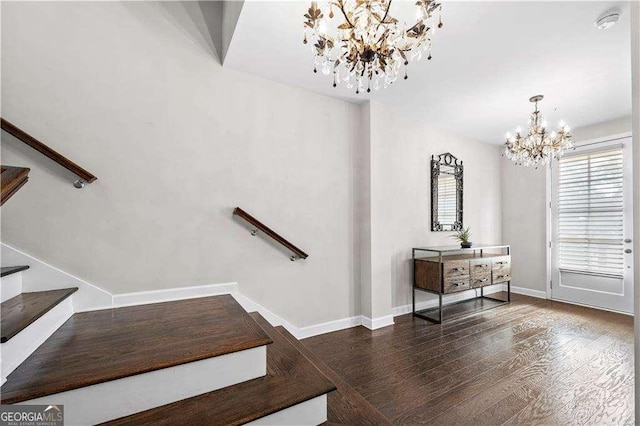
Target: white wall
{"x":635,"y":96}
{"x":524,"y":223}
{"x":400,"y":197}
{"x":134,"y":95}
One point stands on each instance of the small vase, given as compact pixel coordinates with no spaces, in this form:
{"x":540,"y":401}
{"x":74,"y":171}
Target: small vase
{"x":466,"y":244}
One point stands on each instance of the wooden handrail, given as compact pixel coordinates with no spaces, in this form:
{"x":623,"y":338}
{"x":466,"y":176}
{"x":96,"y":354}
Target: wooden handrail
{"x":12,"y":179}
{"x":259,"y":226}
{"x":84,"y":175}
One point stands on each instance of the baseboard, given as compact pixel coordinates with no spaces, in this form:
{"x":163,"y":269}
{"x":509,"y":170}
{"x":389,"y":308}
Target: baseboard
{"x":376,"y":323}
{"x":172,"y":294}
{"x":529,"y":292}
{"x":273,"y":319}
{"x":328,"y":327}
{"x":42,"y":276}
{"x":450,"y":298}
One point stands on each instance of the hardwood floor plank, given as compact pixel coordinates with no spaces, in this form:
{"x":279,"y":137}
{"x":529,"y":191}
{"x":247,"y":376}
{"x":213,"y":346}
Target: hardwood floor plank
{"x":405,"y":329}
{"x":436,"y":355}
{"x":535,"y":362}
{"x":345,"y":405}
{"x":594,"y":392}
{"x":554,"y":364}
{"x":381,"y":363}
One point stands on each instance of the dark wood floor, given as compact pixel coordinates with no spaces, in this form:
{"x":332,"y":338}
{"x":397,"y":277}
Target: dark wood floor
{"x":531,"y":362}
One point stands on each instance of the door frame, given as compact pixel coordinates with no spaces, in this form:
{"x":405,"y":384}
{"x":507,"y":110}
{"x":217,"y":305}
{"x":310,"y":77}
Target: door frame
{"x":549,"y":216}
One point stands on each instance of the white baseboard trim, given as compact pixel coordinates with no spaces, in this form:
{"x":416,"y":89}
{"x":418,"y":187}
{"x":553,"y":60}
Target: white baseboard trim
{"x":42,"y":276}
{"x":376,"y":323}
{"x":529,"y":292}
{"x":328,"y":327}
{"x":172,"y":294}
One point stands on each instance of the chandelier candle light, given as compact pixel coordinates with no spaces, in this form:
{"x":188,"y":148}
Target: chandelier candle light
{"x":370,"y":47}
{"x":538,"y":147}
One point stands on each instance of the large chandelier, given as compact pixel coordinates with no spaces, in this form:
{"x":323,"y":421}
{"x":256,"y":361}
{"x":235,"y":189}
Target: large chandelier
{"x":370,"y":47}
{"x":539,"y":146}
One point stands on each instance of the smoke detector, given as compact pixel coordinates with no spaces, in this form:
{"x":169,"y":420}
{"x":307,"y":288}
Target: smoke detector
{"x":608,"y":19}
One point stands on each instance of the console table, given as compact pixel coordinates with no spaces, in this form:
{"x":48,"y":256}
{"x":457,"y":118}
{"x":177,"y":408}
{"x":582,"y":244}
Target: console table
{"x":447,"y":270}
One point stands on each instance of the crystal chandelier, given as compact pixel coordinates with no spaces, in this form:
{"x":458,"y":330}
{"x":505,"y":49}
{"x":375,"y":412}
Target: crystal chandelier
{"x":370,"y":47}
{"x":538,"y":147}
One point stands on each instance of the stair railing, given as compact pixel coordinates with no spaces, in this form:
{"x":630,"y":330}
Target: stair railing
{"x":84,"y":176}
{"x":259,"y":226}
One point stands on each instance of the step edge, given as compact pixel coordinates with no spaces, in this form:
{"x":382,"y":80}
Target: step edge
{"x":315,"y":359}
{"x":69,"y":292}
{"x":249,"y":417}
{"x":12,"y":270}
{"x":56,"y":317}
{"x":34,"y":395}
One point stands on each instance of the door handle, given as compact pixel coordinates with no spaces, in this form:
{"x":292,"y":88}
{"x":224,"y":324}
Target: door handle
{"x":628,"y":251}
{"x":627,"y":240}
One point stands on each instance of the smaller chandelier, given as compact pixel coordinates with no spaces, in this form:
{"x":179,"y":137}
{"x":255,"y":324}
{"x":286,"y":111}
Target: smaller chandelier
{"x":369,"y":48}
{"x":539,"y":146}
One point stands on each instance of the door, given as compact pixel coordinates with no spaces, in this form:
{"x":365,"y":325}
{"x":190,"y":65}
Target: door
{"x":591,"y":226}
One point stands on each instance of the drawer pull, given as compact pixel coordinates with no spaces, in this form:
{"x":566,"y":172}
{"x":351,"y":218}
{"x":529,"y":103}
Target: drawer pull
{"x":458,"y":269}
{"x":458,"y":284}
{"x":482,"y":266}
{"x":502,"y":263}
{"x":503,"y":276}
{"x":482,"y":280}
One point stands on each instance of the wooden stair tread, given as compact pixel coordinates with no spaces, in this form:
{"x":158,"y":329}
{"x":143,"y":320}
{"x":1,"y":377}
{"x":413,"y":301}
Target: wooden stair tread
{"x":99,"y":346}
{"x":291,"y":379}
{"x":346,"y":406}
{"x":23,"y":310}
{"x":8,"y":270}
{"x":11,"y":180}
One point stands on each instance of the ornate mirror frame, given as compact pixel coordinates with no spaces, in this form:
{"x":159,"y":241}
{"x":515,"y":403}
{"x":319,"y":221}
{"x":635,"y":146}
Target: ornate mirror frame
{"x":437,"y":161}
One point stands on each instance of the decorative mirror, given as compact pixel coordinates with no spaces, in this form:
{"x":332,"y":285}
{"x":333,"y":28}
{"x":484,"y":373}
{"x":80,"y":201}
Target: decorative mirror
{"x":446,"y":193}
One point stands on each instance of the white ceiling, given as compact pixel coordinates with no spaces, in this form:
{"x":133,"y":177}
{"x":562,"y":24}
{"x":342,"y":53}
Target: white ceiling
{"x":488,"y":59}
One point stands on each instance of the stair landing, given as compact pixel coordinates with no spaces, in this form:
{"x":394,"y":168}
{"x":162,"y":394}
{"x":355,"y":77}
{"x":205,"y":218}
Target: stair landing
{"x":291,"y":379}
{"x":100,"y":346}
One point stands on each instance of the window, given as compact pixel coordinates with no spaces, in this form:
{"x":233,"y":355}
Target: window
{"x":447,"y":194}
{"x":590,"y":213}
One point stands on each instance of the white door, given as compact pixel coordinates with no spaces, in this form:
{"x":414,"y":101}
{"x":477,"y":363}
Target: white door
{"x":591,"y":226}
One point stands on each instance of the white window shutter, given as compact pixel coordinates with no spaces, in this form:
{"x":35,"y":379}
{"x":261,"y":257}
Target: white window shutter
{"x":590,"y":213}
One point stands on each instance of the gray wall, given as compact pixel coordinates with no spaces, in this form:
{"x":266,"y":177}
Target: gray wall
{"x":176,"y":142}
{"x":401,"y":191}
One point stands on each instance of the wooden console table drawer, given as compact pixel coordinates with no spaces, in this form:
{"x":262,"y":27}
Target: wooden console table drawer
{"x":480,"y":267}
{"x":480,"y":280}
{"x":447,"y":270}
{"x":453,"y":284}
{"x":455,"y":268}
{"x":501,"y":262}
{"x":501,"y":275}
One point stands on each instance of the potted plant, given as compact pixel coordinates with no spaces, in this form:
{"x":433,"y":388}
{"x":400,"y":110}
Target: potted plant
{"x":463,"y":236}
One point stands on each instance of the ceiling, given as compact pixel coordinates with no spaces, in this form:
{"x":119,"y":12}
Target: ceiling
{"x":488,"y":60}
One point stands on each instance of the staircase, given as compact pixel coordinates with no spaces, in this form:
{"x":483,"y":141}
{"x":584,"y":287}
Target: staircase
{"x":192,"y":361}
